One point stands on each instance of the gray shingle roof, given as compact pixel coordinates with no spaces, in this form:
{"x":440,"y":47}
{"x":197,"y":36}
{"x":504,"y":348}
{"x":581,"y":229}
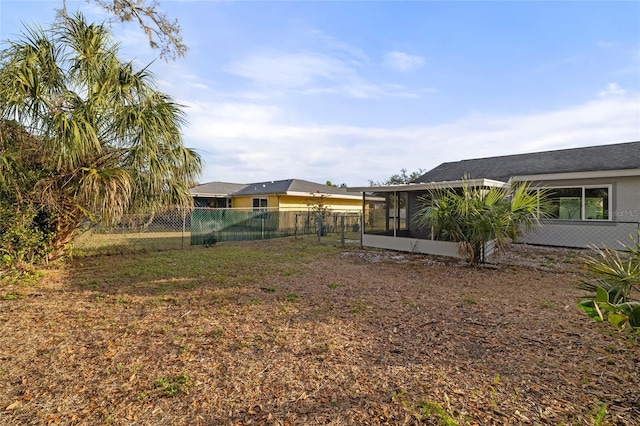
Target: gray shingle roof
{"x":602,"y":157}
{"x":288,"y":185}
{"x":221,"y":189}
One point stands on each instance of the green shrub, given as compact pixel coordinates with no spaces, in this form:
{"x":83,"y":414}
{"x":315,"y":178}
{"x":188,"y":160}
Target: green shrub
{"x":475,"y":215}
{"x":612,"y":278}
{"x":25,"y":240}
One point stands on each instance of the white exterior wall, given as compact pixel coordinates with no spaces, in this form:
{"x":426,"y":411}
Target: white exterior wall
{"x":417,"y":245}
{"x":582,"y":234}
{"x":627,"y":200}
{"x":413,"y":245}
{"x":622,"y":227}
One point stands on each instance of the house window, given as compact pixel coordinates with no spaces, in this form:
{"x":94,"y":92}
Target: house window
{"x":259,"y":203}
{"x":579,"y":203}
{"x":221,"y":203}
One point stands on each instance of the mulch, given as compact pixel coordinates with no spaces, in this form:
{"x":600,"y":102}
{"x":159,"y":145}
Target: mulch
{"x":364,"y":337}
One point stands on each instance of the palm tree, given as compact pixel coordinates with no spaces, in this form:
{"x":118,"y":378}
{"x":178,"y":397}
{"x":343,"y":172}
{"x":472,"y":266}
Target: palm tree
{"x":474,"y":216}
{"x":108,"y":142}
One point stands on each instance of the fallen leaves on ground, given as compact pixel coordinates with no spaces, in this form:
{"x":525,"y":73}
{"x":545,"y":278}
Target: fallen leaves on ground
{"x":371,"y":337}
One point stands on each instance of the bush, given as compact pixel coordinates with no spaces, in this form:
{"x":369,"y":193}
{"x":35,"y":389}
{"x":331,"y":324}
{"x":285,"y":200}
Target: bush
{"x":612,"y":277}
{"x":475,"y":215}
{"x":25,"y":240}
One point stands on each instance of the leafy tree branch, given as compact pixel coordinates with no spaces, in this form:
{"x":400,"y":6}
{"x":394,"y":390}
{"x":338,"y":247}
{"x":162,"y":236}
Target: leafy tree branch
{"x":163,"y":34}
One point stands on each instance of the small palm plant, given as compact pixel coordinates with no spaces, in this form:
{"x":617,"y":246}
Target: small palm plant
{"x":473,"y":216}
{"x":613,"y":278}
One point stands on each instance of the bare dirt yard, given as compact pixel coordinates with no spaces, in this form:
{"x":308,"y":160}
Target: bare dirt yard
{"x":290,"y":332}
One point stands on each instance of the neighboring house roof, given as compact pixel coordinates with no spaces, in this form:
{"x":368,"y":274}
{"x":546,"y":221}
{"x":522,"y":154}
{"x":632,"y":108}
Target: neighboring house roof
{"x":216,"y":189}
{"x":620,"y":156}
{"x":289,"y":186}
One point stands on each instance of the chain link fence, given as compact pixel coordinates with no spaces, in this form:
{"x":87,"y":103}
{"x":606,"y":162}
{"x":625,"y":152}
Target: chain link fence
{"x":582,"y":234}
{"x":209,"y":226}
{"x":167,"y":230}
{"x":175,"y":229}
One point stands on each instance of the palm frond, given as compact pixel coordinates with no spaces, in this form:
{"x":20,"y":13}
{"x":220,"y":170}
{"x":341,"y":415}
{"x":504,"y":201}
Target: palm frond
{"x":108,"y":141}
{"x":612,"y":264}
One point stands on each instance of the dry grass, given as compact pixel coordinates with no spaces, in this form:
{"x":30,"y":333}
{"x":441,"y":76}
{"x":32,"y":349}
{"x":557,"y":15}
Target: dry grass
{"x":93,"y":243}
{"x":292,"y":332}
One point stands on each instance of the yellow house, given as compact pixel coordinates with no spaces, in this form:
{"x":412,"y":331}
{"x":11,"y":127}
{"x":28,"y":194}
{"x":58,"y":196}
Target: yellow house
{"x":232,"y":212}
{"x":280,"y":195}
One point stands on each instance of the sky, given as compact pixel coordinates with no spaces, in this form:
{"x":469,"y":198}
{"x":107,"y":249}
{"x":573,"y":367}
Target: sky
{"x":353,"y":91}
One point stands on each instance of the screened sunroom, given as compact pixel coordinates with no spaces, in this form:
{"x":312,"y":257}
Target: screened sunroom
{"x":388,"y":216}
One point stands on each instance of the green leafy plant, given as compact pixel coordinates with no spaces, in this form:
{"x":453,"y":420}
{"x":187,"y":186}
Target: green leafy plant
{"x":612,"y":277}
{"x":433,"y":410}
{"x":600,"y":415}
{"x":473,"y":216}
{"x":11,"y":296}
{"x":25,"y":239}
{"x":319,"y":210}
{"x":174,"y":385}
{"x":425,"y":410}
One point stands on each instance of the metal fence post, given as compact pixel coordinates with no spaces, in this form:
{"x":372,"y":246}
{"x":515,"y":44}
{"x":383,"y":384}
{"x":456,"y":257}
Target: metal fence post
{"x":184,"y":225}
{"x":342,"y":228}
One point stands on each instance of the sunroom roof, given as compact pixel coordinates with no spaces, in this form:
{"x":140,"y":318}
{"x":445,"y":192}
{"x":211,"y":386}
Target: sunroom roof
{"x":430,"y":185}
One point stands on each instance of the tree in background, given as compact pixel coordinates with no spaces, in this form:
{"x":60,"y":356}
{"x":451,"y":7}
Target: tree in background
{"x":162,"y":33}
{"x":399,"y":178}
{"x":319,"y":209}
{"x":335,"y":185}
{"x":473,"y":216}
{"x":85,"y":137}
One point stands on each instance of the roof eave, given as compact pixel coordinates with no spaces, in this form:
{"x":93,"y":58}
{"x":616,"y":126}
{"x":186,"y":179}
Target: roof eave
{"x":327,"y":194}
{"x":577,"y":175}
{"x":429,"y":185}
{"x":209,"y":195}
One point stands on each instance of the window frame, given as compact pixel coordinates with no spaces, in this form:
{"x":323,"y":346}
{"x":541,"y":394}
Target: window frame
{"x":583,"y":188}
{"x":260,"y":207}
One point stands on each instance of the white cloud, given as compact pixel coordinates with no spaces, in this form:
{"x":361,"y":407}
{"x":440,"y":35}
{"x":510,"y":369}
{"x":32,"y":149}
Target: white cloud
{"x":247,"y":142}
{"x":606,"y":44}
{"x":557,"y":64}
{"x":288,"y":70}
{"x":403,"y":62}
{"x":349,"y":52}
{"x":613,"y":89}
{"x":311,"y":73}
